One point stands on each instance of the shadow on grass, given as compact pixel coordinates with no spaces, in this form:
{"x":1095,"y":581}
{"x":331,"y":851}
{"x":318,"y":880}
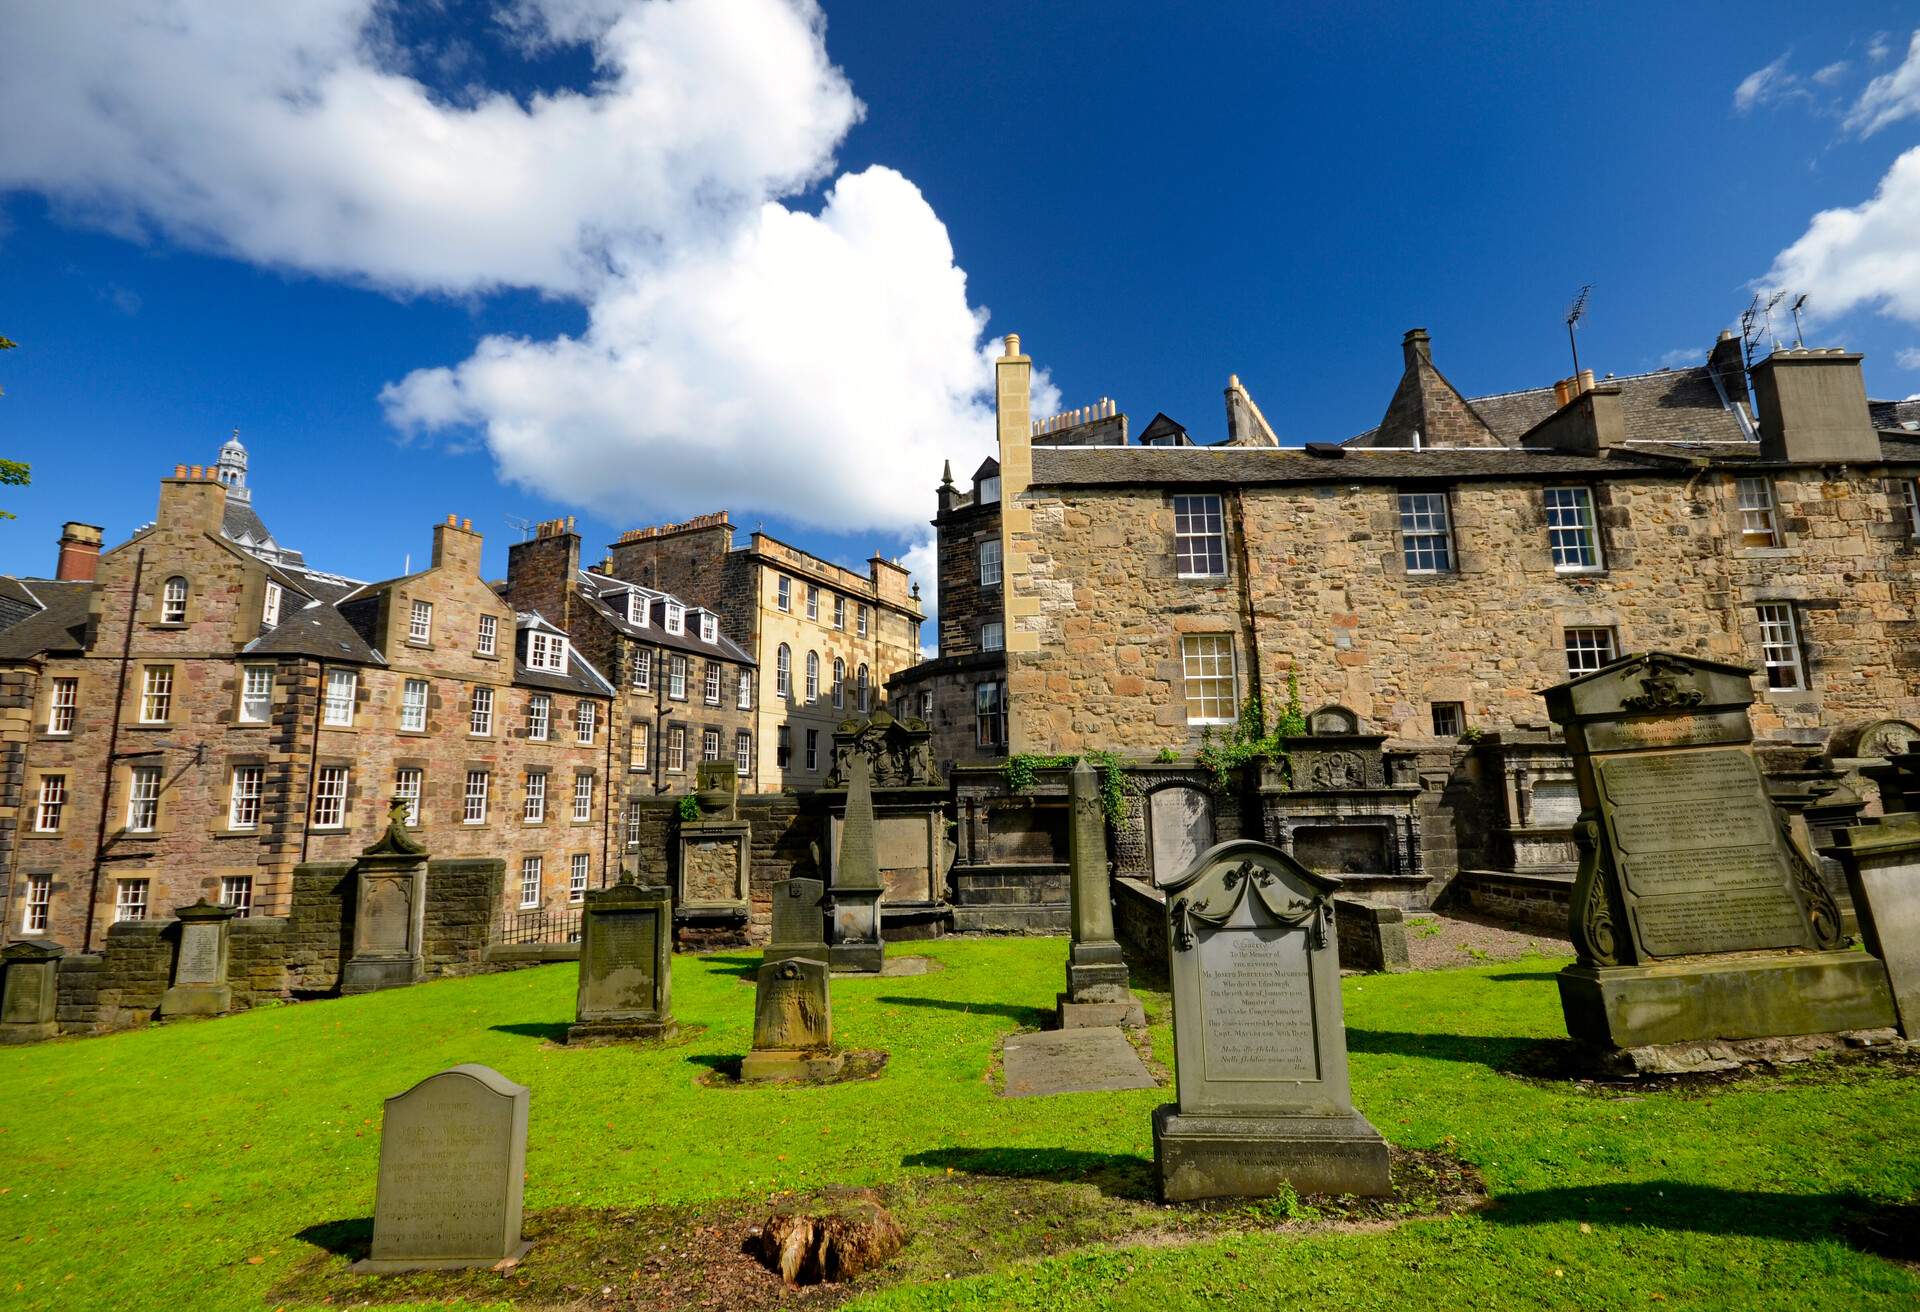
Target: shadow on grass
{"x":351,"y":1239}
{"x":735,"y":966}
{"x":1503,"y":1053}
{"x":1032,"y":1016}
{"x":1118,"y":1175}
{"x":552,"y":1031}
{"x":719,"y":1064}
{"x":1706,"y":1209}
{"x":1516,"y":975}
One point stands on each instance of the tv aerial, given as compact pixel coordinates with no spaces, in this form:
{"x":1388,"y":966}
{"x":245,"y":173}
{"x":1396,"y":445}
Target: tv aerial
{"x":1575,"y":313}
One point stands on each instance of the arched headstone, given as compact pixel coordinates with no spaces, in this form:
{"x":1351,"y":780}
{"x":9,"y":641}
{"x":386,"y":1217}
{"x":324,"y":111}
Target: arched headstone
{"x":1179,"y":828}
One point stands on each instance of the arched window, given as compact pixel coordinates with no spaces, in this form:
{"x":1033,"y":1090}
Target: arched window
{"x":783,"y":673}
{"x":839,"y":682}
{"x":813,"y":677}
{"x":862,"y":683}
{"x":173,"y":601}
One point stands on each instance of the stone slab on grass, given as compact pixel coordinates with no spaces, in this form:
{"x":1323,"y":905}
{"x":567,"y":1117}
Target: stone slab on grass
{"x":1098,"y":1060}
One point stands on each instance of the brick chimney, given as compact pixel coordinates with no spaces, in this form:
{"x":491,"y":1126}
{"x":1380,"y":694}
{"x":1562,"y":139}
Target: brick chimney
{"x":541,"y":571}
{"x":1813,"y":408}
{"x":457,"y":546}
{"x":79,"y":552}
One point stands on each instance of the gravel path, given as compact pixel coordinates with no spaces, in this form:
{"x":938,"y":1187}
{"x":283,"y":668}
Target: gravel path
{"x":1436,"y":941}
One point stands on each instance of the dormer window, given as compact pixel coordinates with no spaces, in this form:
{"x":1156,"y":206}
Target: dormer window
{"x":637,"y":610}
{"x":546,"y":651}
{"x":173,"y":601}
{"x":270,"y":609}
{"x":676,"y":618}
{"x":989,"y":490}
{"x":709,"y":628}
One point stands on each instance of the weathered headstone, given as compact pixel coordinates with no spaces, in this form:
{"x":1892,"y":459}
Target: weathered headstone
{"x":792,"y":1024}
{"x":853,"y":918}
{"x":29,"y":992}
{"x":1260,"y":1044}
{"x":626,"y":966}
{"x":453,"y":1156}
{"x":911,"y":847}
{"x":1097,"y":992}
{"x":1180,"y":826}
{"x":716,"y":848}
{"x":1695,"y":916}
{"x":200,"y":965}
{"x":799,"y":924}
{"x":389,"y":910}
{"x":1882,"y":861}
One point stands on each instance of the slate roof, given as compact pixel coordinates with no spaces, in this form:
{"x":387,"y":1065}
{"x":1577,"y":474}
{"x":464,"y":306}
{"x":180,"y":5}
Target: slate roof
{"x":1667,"y":405}
{"x":580,"y":677}
{"x":608,"y":598}
{"x":315,"y":629}
{"x":1216,"y":465}
{"x":43,"y":615}
{"x":1896,"y":414}
{"x":243,"y":526}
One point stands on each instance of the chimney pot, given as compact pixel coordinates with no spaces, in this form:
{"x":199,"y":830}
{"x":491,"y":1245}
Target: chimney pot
{"x":1561,"y":394}
{"x":1013,"y":343}
{"x":179,"y":471}
{"x":466,"y":525}
{"x":1416,"y":346}
{"x":1586,"y":381}
{"x":451,"y":519}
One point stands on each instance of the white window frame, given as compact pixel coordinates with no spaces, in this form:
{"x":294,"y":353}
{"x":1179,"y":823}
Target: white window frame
{"x":244,"y":792}
{"x":330,"y":797}
{"x":586,"y":722}
{"x":579,"y":870}
{"x":839,"y":612}
{"x":813,"y":749}
{"x":813,"y":677}
{"x":532,"y":875}
{"x":51,"y":804}
{"x":539,"y":717}
{"x":713,"y":683}
{"x":173,"y":600}
{"x":639,"y":745}
{"x":546,"y":651}
{"x":480,"y":713}
{"x":677,"y":677}
{"x":534,"y":810}
{"x":143,"y":799}
{"x":1200,"y":535}
{"x":742,"y":752}
{"x":1759,"y":522}
{"x":129,"y":900}
{"x":989,"y":490}
{"x":636,"y":822}
{"x":156,"y":694}
{"x":343,"y":686}
{"x":990,"y":563}
{"x":414,"y":695}
{"x":489,"y":637}
{"x":236,"y":891}
{"x":473,"y":802}
{"x":990,"y":714}
{"x":270,"y":607}
{"x":1780,"y":653}
{"x":676,"y":618}
{"x":677,"y":749}
{"x":783,"y":593}
{"x":744,"y":700}
{"x":813,"y":601}
{"x":783,"y":673}
{"x":709,"y":628}
{"x":38,"y":905}
{"x":1589,"y":647}
{"x":863,"y":689}
{"x":839,"y":682}
{"x":256,"y":694}
{"x":62,"y":704}
{"x":420,"y":622}
{"x":993,"y":636}
{"x":409,"y":782}
{"x":582,"y":798}
{"x":639,"y":612}
{"x":860,"y":619}
{"x":1456,"y":710}
{"x":641,"y":674}
{"x":1573,"y":530}
{"x":709,"y":744}
{"x":1426,"y":533}
{"x":1202,"y":676}
{"x":1910,"y":490}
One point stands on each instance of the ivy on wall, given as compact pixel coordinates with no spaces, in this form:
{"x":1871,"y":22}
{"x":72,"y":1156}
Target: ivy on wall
{"x":1024,"y":767}
{"x":1249,"y":740}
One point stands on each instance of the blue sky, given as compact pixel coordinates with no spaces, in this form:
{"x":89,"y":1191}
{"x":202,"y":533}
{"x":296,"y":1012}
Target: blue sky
{"x":368,"y":282}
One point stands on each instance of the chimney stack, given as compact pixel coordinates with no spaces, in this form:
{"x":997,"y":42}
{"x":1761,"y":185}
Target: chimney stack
{"x":1813,"y":408}
{"x":1416,"y":346}
{"x":79,"y":552}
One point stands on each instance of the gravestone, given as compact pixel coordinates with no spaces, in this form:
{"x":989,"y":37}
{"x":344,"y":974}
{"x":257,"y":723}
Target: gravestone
{"x":1097,"y":992}
{"x":1695,"y":914}
{"x":792,"y":1024}
{"x":1882,"y":861}
{"x":29,"y":992}
{"x":912,"y":850}
{"x":1260,"y":1045}
{"x":1180,"y":828}
{"x":389,"y":910}
{"x":799,"y":924}
{"x":200,"y":965}
{"x":854,"y":937}
{"x":716,"y":848}
{"x":626,"y":965}
{"x":453,"y":1157}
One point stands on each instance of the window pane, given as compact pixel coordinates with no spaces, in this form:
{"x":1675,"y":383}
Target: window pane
{"x":1570,"y":530}
{"x":1199,"y":536}
{"x":1588,"y":649}
{"x":1207,"y":666}
{"x":1757,"y":526}
{"x":1425,"y":540}
{"x":1780,"y":647}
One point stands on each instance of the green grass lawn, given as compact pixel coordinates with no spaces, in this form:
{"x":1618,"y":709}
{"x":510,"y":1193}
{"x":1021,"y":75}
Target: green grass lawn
{"x":178,"y":1166}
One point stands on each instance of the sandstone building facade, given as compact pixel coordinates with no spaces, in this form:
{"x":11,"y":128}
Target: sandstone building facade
{"x":824,"y":639}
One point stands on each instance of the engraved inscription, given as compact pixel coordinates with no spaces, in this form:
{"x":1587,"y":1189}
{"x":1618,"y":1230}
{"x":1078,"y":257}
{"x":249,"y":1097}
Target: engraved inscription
{"x":199,"y":955}
{"x":444,"y":1157}
{"x":711,"y":870}
{"x":387,"y":914}
{"x":1256,"y":1005}
{"x":1727,"y":922}
{"x":25,"y":999}
{"x":1670,"y":731}
{"x":620,"y":979}
{"x":790,"y":1012}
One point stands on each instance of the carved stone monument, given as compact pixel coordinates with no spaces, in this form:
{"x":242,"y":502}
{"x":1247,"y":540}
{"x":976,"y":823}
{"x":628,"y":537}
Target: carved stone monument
{"x":389,"y":910}
{"x":716,"y":850}
{"x":1097,"y":992}
{"x":626,"y":966}
{"x":29,"y":992}
{"x":855,"y":942}
{"x":1882,"y":861}
{"x":1257,"y":1031}
{"x":792,"y":1024}
{"x":453,"y":1157}
{"x":799,"y":923}
{"x":200,"y":965}
{"x":1695,"y":914}
{"x":910,"y":843}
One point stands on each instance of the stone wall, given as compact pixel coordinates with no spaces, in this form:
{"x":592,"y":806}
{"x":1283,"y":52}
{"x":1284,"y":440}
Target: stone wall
{"x":1541,"y":901}
{"x":319,"y":933}
{"x":1372,"y":937}
{"x":784,"y":829}
{"x":965,"y":603}
{"x":463,"y":900}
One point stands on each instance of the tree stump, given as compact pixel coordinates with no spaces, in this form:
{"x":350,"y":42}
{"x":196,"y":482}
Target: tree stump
{"x":832,"y":1236}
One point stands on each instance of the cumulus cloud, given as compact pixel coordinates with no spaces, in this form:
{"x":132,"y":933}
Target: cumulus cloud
{"x":1866,"y":256}
{"x":1909,"y":357}
{"x":750,"y":342}
{"x":1890,"y":97}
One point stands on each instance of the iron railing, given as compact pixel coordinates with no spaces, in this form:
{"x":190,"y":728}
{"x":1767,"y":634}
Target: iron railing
{"x":539,"y":926}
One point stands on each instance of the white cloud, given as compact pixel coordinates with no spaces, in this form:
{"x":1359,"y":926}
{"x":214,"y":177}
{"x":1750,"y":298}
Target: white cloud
{"x":1764,"y":86}
{"x":1890,"y":97}
{"x":923,"y":558}
{"x":1908,"y":358}
{"x":1879,"y":46}
{"x":740,"y":351}
{"x":1682,"y":357}
{"x":1866,"y":256}
{"x":1832,"y":73}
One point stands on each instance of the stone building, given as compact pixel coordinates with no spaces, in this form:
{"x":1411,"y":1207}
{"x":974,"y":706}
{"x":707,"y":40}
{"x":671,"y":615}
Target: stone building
{"x":196,"y":711}
{"x":824,"y":639}
{"x":685,"y":690}
{"x":1433,"y":574}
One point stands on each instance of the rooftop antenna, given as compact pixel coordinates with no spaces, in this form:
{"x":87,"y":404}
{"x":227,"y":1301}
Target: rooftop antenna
{"x":522,"y":523}
{"x":1748,"y":318}
{"x":1575,"y":313}
{"x":1767,"y":313}
{"x":1799,"y":337}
